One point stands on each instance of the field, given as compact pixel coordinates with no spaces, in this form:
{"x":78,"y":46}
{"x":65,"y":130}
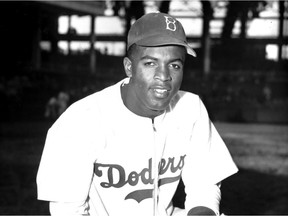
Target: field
{"x":260,"y":151}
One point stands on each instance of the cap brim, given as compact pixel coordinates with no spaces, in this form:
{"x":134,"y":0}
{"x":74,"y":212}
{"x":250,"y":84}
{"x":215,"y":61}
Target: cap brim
{"x":154,"y":41}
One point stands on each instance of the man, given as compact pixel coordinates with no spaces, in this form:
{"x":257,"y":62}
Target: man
{"x":123,"y":150}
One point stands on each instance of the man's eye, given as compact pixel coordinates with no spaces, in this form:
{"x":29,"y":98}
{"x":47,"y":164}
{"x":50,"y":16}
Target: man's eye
{"x":175,"y":66}
{"x":149,"y":63}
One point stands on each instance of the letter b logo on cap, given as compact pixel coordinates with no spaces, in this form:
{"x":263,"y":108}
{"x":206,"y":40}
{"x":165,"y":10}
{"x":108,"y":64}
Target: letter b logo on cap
{"x":170,"y":23}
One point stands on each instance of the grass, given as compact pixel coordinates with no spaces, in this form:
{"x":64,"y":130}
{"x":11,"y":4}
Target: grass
{"x":21,"y":147}
{"x":260,"y":151}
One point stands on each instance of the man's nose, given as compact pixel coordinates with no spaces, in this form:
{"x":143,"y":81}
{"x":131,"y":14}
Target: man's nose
{"x":163,"y":74}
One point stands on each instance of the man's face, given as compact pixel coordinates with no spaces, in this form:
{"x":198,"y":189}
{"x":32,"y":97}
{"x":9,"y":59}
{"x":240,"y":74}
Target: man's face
{"x":156,"y":76}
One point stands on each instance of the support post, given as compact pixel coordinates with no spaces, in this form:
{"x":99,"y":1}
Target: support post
{"x":206,"y":42}
{"x":36,"y":51}
{"x":280,"y":33}
{"x":69,"y":35}
{"x":92,"y":43}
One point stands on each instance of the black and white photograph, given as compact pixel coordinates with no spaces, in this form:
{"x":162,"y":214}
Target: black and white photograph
{"x":144,"y":107}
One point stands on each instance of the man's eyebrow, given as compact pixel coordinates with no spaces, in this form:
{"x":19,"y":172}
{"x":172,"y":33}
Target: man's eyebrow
{"x":179,"y":59}
{"x":148,"y":57}
{"x":155,"y":59}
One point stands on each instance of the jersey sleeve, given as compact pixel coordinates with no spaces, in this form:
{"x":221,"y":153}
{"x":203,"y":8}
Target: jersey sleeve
{"x":66,"y":167}
{"x":68,"y":209}
{"x":208,"y":162}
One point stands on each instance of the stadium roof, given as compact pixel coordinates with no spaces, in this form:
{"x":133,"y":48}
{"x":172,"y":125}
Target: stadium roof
{"x":96,"y":8}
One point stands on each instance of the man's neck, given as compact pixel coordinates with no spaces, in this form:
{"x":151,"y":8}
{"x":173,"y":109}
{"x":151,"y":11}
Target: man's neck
{"x":134,"y":108}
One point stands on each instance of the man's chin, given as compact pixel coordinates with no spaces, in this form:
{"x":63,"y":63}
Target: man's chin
{"x":159,"y":109}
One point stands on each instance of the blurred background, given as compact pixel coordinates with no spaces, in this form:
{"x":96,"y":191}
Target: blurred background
{"x":56,"y":52}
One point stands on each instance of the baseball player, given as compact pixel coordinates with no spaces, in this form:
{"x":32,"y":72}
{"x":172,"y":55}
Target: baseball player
{"x":122,"y":151}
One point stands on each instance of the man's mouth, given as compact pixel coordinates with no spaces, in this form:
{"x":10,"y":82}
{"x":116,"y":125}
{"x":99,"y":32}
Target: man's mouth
{"x":160,"y":92}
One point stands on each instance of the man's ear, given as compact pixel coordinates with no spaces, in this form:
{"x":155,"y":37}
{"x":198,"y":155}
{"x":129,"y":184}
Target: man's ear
{"x":127,"y":66}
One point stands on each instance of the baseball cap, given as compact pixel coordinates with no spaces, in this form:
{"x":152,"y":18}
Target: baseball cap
{"x":158,"y":29}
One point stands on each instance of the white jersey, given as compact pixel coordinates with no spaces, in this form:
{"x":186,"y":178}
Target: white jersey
{"x":115,"y":162}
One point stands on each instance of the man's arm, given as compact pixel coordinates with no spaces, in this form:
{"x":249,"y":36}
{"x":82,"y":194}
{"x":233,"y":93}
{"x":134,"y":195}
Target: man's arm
{"x":201,"y":210}
{"x":208,"y":162}
{"x":67,"y":209}
{"x":205,"y":200}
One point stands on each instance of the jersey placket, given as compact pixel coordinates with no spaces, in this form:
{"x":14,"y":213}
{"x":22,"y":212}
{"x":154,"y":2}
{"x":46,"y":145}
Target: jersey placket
{"x":159,"y":146}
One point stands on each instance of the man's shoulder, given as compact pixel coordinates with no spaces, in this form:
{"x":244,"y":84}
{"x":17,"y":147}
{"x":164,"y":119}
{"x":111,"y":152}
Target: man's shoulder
{"x":98,"y":97}
{"x":185,"y":98}
{"x":185,"y":105}
{"x":89,"y":108}
{"x":188,"y":95}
